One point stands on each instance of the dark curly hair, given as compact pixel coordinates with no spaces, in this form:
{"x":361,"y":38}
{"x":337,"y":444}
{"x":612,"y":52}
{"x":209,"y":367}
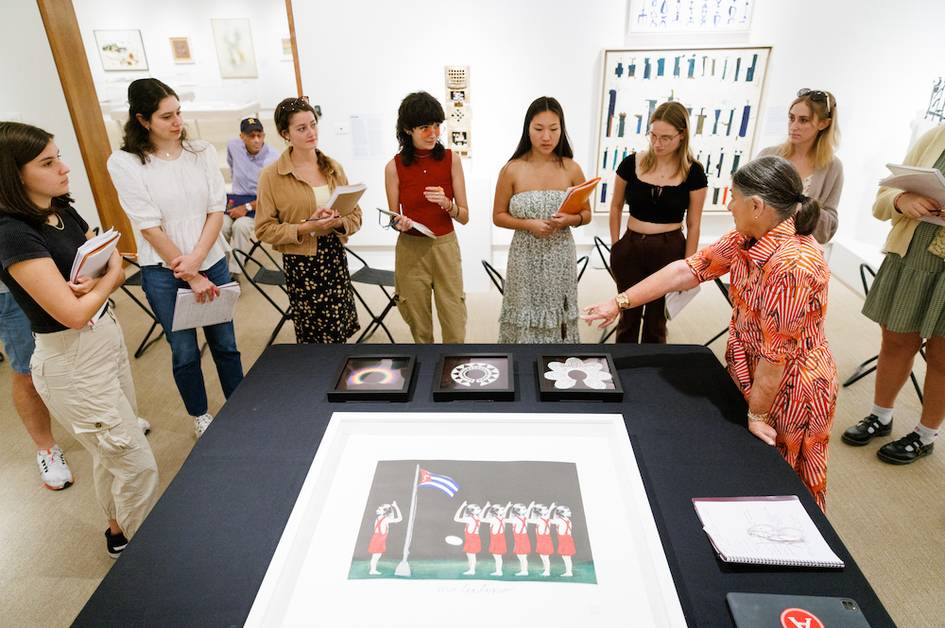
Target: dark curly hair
{"x":19,"y":145}
{"x":144,"y":97}
{"x":415,"y":110}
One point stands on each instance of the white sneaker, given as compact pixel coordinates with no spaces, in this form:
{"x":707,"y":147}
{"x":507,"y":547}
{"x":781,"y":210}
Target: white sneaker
{"x":201,"y":423}
{"x":53,"y":468}
{"x":144,"y":425}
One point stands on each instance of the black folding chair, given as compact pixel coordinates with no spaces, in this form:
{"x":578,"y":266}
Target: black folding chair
{"x":604,"y":252}
{"x":383,"y":279}
{"x":264,"y":276}
{"x":723,"y":288}
{"x":135,"y":280}
{"x":497,"y":279}
{"x":868,"y":366}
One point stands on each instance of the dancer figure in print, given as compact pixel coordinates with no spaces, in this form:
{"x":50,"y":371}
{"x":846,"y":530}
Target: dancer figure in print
{"x":495,"y":515}
{"x":386,"y":515}
{"x":469,"y":514}
{"x":541,"y":518}
{"x":520,"y":516}
{"x":562,"y":522}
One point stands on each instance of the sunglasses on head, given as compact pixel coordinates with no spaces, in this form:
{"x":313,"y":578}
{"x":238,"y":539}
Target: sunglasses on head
{"x":817,"y":96}
{"x":297,"y":104}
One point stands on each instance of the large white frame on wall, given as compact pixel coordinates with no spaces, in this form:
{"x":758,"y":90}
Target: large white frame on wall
{"x":721,"y":87}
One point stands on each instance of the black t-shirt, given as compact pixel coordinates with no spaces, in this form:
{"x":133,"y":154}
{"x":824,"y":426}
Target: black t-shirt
{"x":662,"y":204}
{"x":19,"y":242}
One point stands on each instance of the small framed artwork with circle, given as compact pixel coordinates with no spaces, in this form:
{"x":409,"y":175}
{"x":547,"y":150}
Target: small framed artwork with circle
{"x":582,"y":377}
{"x":488,"y":376}
{"x":374,"y":378}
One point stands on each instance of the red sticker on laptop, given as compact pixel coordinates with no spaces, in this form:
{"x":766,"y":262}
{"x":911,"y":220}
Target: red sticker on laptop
{"x":799,"y":618}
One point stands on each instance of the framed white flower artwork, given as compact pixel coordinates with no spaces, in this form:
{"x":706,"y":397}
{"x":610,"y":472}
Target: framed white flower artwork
{"x":586,"y":376}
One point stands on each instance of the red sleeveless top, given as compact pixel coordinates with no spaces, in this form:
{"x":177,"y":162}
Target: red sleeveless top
{"x":425,"y":171}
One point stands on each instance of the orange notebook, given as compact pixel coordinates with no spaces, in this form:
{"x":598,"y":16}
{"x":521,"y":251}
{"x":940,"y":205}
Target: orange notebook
{"x":577,"y":196}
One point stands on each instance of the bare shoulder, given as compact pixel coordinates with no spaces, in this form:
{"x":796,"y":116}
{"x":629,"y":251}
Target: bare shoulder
{"x":575,"y":173}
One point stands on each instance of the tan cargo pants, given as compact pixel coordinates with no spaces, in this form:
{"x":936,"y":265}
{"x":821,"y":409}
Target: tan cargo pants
{"x":425,"y":266}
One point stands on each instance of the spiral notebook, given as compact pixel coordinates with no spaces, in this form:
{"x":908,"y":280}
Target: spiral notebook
{"x":773,"y":530}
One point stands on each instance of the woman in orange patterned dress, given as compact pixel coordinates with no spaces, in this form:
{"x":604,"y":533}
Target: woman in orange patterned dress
{"x":777,"y":352}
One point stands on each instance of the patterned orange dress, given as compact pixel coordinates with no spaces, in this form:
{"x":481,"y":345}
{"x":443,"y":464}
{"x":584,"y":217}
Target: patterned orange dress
{"x":779,"y":294}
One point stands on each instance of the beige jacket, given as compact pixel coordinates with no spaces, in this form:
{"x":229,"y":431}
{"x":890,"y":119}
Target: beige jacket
{"x":283,"y":201}
{"x":924,"y":153}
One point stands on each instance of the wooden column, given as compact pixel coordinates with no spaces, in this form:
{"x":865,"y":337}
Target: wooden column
{"x":295,"y":48}
{"x":65,"y":40}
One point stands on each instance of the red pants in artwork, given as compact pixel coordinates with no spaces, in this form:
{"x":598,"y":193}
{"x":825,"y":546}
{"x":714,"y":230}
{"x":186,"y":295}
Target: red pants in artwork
{"x":565,"y":545}
{"x":522,"y":544}
{"x":473,"y":544}
{"x":543,"y":544}
{"x":378,"y":544}
{"x":497,"y":543}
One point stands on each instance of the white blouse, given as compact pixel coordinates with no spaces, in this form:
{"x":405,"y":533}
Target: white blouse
{"x":175,"y":195}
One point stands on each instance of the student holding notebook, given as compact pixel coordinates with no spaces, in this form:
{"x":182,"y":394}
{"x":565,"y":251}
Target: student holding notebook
{"x":540,"y":301}
{"x":293,"y":215}
{"x":40,"y":233}
{"x":172,"y":189}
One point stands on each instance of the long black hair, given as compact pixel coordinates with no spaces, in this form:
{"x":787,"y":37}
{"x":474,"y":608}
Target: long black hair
{"x":19,"y":145}
{"x":776,"y":181}
{"x":415,"y":110}
{"x":544,"y":103}
{"x":144,"y":97}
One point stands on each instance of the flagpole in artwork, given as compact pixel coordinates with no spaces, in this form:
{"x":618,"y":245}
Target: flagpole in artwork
{"x":403,"y":568}
{"x":422,"y":477}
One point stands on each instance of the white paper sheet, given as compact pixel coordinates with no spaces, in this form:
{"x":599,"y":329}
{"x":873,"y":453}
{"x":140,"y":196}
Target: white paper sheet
{"x":189,"y":314}
{"x":676,"y":301}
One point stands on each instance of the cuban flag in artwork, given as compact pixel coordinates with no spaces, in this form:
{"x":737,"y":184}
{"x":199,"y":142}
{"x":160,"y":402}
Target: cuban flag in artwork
{"x":445,"y":483}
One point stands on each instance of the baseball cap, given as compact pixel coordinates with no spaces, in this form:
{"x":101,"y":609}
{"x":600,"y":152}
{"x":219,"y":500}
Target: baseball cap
{"x":251,"y":125}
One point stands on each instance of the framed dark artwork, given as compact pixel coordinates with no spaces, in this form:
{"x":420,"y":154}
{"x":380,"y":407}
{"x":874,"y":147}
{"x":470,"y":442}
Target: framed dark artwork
{"x":374,"y":378}
{"x":474,"y":376}
{"x":582,"y":376}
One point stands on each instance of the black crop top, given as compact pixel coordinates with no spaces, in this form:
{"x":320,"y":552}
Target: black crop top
{"x":664,"y":204}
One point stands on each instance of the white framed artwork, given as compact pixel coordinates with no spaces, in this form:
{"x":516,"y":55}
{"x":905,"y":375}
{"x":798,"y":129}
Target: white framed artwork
{"x":121,"y":50}
{"x":391,"y":508}
{"x":722,"y":88}
{"x":664,"y":16}
{"x":234,"y":43}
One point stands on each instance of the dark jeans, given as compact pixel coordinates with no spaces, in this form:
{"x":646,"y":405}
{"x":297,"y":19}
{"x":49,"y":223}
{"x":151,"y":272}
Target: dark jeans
{"x":160,"y":287}
{"x":635,"y":257}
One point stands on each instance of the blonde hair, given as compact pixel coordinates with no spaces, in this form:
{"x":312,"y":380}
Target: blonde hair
{"x":828,"y":139}
{"x":674,"y":114}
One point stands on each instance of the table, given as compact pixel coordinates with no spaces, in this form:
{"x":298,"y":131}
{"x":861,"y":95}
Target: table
{"x":201,"y":555}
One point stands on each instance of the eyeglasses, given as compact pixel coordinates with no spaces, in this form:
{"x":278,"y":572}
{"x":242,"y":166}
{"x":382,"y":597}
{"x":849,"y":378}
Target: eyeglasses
{"x":817,"y":96}
{"x":662,"y":139}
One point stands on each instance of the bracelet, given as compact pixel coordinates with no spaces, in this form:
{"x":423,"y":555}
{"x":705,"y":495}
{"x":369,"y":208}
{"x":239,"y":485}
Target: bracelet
{"x":248,"y":207}
{"x":762,"y":417}
{"x":623,"y":301}
{"x":453,"y":211}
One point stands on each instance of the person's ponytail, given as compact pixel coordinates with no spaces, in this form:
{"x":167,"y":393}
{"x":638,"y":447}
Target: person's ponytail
{"x":807,"y":216}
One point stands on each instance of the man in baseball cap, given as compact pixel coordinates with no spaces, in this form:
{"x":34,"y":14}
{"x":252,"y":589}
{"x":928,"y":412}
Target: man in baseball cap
{"x":246,"y":155}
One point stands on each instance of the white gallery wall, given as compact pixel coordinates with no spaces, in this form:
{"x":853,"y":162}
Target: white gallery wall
{"x":875,"y":59}
{"x":188,"y":18}
{"x":32,"y":93}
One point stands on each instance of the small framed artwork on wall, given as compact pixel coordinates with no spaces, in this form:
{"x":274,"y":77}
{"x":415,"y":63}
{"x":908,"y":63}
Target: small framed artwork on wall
{"x":475,"y":376}
{"x":374,"y":378}
{"x":121,"y":50}
{"x":180,"y":50}
{"x":586,"y":376}
{"x":235,"y":53}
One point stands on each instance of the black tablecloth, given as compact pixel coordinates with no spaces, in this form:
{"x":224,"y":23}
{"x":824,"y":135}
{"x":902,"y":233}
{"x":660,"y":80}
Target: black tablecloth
{"x":201,"y":555}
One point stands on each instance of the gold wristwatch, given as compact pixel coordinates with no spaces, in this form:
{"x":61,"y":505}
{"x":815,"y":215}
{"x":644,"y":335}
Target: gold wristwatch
{"x":623,"y":301}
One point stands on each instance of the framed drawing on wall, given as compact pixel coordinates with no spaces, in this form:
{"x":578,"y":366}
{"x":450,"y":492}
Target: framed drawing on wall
{"x":234,"y":43}
{"x":722,"y":89}
{"x":659,"y":16}
{"x":180,"y":50}
{"x":121,"y":50}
